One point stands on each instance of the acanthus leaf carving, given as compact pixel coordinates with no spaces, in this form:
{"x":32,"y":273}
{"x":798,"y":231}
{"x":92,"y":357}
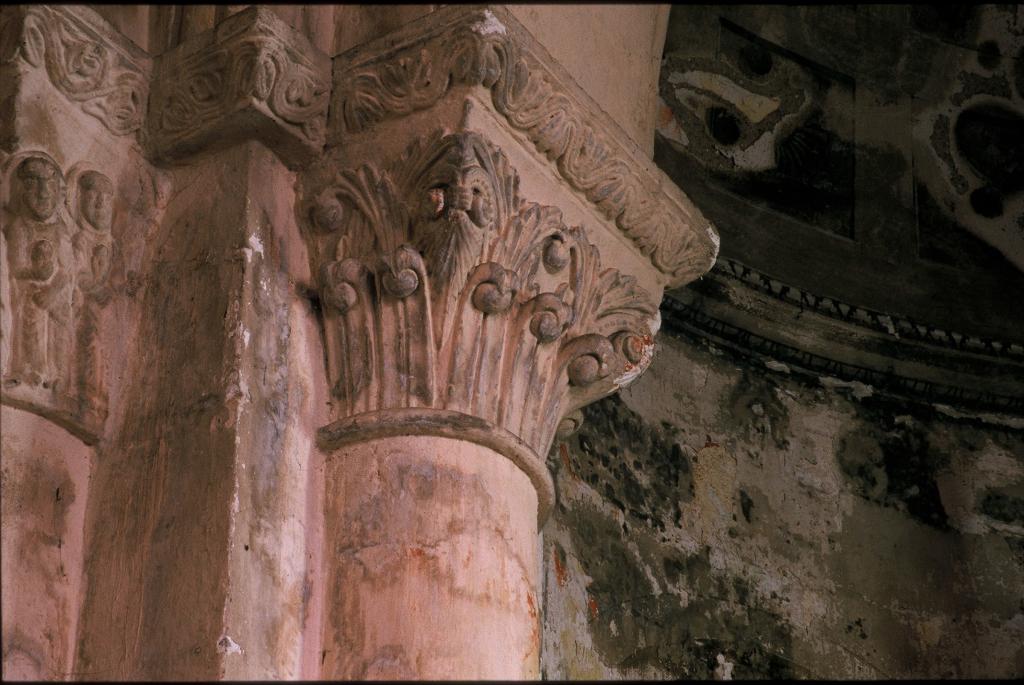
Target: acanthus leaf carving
{"x":83,"y":65}
{"x":251,"y":61}
{"x":416,"y":73}
{"x":446,"y":289}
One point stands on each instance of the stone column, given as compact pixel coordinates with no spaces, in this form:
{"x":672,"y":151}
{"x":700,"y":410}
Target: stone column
{"x":312,"y":402}
{"x":198,"y":563}
{"x":432,"y":569}
{"x":490,"y":250}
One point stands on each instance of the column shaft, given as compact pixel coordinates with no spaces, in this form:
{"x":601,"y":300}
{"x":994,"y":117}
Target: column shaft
{"x":432,"y":562}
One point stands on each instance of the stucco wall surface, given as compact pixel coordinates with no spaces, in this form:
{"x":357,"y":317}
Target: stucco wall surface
{"x":724,"y":520}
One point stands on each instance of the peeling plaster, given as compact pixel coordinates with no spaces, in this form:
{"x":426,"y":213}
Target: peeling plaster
{"x":783,"y":558}
{"x":859,"y":390}
{"x":228,"y":646}
{"x":490,"y":25}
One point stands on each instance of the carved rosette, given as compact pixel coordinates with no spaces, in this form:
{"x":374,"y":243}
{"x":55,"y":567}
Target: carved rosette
{"x":251,"y":76}
{"x":443,"y":288}
{"x":105,"y":79}
{"x":487,"y":48}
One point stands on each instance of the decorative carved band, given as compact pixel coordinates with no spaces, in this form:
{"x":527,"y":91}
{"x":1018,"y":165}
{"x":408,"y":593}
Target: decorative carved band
{"x":692,"y":321}
{"x":892,"y":324}
{"x":443,"y":288}
{"x":108,"y":81}
{"x":445,"y":424}
{"x":249,"y":73}
{"x":416,"y":67}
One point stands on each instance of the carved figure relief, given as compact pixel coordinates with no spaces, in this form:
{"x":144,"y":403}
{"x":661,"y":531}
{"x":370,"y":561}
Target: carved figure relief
{"x":57,"y":246}
{"x":444,"y":288}
{"x":93,"y":245}
{"x":40,"y":263}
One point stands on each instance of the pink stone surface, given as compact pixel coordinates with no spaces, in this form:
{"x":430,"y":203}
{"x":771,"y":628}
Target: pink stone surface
{"x":431,"y":555}
{"x":45,"y":483}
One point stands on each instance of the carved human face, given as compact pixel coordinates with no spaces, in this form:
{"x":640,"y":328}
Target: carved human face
{"x":470,"y":195}
{"x":95,"y":200}
{"x":40,"y":185}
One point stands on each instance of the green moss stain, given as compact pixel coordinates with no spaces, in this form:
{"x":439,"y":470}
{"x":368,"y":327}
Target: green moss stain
{"x":641,"y":469}
{"x":892,"y":462}
{"x":670,"y":610}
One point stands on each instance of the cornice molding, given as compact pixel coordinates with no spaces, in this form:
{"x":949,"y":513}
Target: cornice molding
{"x":895,"y":325}
{"x":418,"y":65}
{"x":791,"y":330}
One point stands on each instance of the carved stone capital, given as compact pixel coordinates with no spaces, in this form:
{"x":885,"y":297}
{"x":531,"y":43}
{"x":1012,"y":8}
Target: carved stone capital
{"x":94,"y":67}
{"x":444,"y":288}
{"x":490,"y":248}
{"x":460,"y":48}
{"x":56,"y":244}
{"x":250,"y":77}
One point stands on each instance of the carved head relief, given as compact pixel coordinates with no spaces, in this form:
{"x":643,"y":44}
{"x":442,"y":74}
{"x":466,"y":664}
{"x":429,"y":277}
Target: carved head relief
{"x":95,"y":197}
{"x":40,"y":188}
{"x":469,"y":195}
{"x":464,"y":195}
{"x":87,"y":61}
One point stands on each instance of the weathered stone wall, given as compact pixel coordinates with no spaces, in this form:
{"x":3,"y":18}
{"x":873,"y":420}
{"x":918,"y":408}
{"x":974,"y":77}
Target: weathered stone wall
{"x":723,"y":519}
{"x":44,"y":481}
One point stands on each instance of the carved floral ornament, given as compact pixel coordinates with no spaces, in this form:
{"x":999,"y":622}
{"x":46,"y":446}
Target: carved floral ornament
{"x":82,"y":65}
{"x":444,"y":289}
{"x":250,"y":56}
{"x":471,"y":47}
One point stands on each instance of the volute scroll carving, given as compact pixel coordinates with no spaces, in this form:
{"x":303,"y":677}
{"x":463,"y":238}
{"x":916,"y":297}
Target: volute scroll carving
{"x":250,"y":76}
{"x":445,"y":289}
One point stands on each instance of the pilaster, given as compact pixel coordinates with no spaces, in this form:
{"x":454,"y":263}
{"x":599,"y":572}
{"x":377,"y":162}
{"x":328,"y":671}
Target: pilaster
{"x":79,"y":203}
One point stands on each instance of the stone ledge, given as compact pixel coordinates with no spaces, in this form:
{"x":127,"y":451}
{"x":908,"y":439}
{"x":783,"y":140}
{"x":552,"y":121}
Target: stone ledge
{"x":417,"y":66}
{"x":756,"y":322}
